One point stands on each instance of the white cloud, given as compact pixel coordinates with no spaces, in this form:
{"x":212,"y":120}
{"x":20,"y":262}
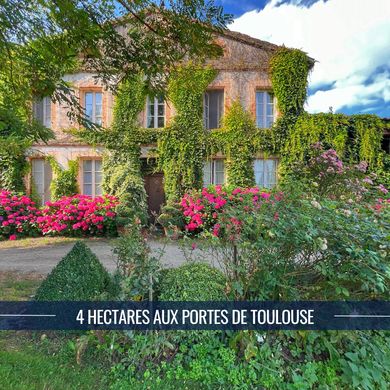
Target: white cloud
{"x":350,"y":39}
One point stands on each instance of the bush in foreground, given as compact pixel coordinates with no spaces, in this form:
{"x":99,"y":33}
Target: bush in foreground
{"x":193,"y":282}
{"x":79,"y":276}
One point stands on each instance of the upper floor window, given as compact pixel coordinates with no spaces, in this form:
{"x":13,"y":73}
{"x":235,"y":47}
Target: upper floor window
{"x":265,"y":172}
{"x":92,"y":177}
{"x":214,"y":172}
{"x":155,"y":112}
{"x":41,"y":175}
{"x":42,"y":111}
{"x":93,"y":106}
{"x":265,"y":108}
{"x":213,"y":108}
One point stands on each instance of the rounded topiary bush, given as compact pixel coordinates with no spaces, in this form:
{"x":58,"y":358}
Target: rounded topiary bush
{"x":79,"y":276}
{"x":192,"y":282}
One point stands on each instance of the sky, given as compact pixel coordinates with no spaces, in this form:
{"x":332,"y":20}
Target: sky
{"x":349,"y":39}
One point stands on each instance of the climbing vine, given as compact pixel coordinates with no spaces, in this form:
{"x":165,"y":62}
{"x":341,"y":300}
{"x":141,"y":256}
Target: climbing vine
{"x":122,"y":174}
{"x":181,"y":146}
{"x":289,"y":70}
{"x":236,"y":143}
{"x":64,"y":182}
{"x":355,"y":137}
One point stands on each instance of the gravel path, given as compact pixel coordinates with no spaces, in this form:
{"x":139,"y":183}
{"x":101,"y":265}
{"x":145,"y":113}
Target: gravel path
{"x":41,"y":260}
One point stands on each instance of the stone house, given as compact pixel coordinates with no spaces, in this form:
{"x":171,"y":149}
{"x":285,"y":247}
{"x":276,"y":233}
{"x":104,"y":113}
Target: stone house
{"x":242,"y":74}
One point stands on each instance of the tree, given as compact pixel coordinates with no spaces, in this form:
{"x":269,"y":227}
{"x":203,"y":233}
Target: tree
{"x":41,"y":40}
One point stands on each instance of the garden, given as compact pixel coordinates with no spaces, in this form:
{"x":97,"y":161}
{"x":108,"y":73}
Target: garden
{"x":321,"y":234}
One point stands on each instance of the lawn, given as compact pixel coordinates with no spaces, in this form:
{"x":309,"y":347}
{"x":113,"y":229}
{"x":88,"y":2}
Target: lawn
{"x":30,"y":361}
{"x":36,"y":242}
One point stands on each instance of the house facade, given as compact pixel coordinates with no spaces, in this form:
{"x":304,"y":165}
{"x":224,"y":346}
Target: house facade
{"x":242,"y":75}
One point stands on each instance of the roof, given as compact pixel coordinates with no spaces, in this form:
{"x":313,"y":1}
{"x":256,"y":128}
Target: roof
{"x":258,"y":43}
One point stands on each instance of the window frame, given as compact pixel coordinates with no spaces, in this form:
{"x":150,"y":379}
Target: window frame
{"x":213,"y":172}
{"x":155,"y":117}
{"x":33,"y":184}
{"x":93,"y":116}
{"x":264,"y":114}
{"x":45,"y":103}
{"x":93,"y":175}
{"x":276,"y":160}
{"x":206,"y":108}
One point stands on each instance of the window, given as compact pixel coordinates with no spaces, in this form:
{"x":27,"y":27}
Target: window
{"x":42,"y":111}
{"x":155,"y":112}
{"x":92,"y":177}
{"x":214,"y":172}
{"x":93,"y":107}
{"x":264,"y":109}
{"x":386,"y":143}
{"x":213,"y":109}
{"x":265,"y":172}
{"x":41,"y":175}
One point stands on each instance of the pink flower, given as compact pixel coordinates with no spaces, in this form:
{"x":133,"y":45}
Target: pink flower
{"x":12,"y":237}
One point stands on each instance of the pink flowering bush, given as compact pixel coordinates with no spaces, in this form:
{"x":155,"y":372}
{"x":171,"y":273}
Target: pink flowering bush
{"x":326,"y":175}
{"x":204,"y":210}
{"x":79,"y":215}
{"x":17,"y":216}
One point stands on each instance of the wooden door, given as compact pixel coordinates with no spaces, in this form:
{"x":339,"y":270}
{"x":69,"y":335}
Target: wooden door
{"x":155,"y":191}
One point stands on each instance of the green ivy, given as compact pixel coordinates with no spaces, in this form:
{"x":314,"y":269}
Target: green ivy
{"x":181,"y":146}
{"x":238,"y":126}
{"x":122,"y":161}
{"x":64,"y":182}
{"x":13,"y":163}
{"x":289,"y":70}
{"x":355,"y":137}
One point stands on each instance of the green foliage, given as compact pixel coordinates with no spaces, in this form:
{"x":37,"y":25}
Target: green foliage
{"x":355,"y":138}
{"x":79,"y":276}
{"x":122,"y":178}
{"x":122,"y":174}
{"x":64,"y":182}
{"x":16,"y":136}
{"x":237,"y":127}
{"x":171,"y":216}
{"x":316,"y":249}
{"x":289,"y":69}
{"x":138,"y":268}
{"x":13,"y":164}
{"x":182,"y":143}
{"x":192,"y":282}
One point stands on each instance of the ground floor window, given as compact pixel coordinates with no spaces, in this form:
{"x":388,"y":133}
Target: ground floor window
{"x":92,"y":177}
{"x":265,"y":172}
{"x":41,"y":175}
{"x":214,"y":172}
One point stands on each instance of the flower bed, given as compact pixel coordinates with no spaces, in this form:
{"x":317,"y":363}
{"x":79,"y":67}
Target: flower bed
{"x":17,"y":216}
{"x":203,"y":210}
{"x":79,"y":215}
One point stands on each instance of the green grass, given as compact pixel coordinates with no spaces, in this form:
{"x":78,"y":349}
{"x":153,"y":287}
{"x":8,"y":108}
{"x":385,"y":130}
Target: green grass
{"x":31,"y":361}
{"x":37,"y":242}
{"x":18,"y":287}
{"x":25,"y":365}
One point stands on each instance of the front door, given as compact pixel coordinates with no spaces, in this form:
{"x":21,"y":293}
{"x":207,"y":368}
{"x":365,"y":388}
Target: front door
{"x":155,"y":191}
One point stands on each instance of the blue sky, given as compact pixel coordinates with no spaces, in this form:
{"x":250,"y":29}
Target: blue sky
{"x":350,"y":39}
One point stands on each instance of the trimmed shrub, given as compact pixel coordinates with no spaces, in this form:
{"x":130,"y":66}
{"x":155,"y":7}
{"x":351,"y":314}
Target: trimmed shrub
{"x":79,"y":276}
{"x":193,"y":282}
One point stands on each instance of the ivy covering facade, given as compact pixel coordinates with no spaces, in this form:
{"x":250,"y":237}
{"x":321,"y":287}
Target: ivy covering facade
{"x":184,"y":144}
